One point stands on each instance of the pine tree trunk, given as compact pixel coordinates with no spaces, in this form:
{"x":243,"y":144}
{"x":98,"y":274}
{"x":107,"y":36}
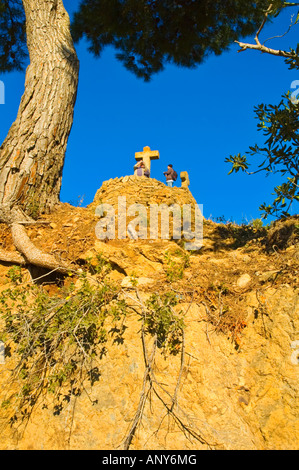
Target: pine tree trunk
{"x":32,"y":155}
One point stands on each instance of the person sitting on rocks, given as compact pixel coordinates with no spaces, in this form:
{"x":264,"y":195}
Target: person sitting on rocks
{"x":142,"y":170}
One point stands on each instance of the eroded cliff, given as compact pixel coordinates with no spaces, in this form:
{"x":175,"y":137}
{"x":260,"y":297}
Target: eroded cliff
{"x":198,"y":350}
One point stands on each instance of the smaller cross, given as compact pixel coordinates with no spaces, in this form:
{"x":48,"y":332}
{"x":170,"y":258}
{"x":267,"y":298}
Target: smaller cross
{"x":147,"y":156}
{"x":185,"y":179}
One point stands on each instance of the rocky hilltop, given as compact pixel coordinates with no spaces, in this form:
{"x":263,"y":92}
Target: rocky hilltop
{"x":196,"y":350}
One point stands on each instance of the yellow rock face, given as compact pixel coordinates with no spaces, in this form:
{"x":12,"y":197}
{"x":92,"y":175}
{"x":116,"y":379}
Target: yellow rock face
{"x":234,"y":385}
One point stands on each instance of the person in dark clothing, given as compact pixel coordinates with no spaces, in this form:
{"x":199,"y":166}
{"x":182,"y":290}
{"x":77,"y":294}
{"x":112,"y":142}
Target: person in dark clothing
{"x":170,"y":175}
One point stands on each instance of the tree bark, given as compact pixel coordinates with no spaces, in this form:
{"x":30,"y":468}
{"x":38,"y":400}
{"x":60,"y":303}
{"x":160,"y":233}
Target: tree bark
{"x":32,"y":155}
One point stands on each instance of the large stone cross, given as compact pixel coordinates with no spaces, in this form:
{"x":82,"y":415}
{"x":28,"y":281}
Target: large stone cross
{"x":147,"y":156}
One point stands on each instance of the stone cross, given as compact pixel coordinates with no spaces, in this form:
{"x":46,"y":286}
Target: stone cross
{"x":147,"y":156}
{"x":185,"y":179}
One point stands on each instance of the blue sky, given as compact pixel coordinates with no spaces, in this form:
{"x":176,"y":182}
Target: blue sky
{"x":195,"y":118}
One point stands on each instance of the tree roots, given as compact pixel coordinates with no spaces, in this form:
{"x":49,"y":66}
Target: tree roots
{"x":27,"y":253}
{"x":170,"y":402}
{"x":30,"y":252}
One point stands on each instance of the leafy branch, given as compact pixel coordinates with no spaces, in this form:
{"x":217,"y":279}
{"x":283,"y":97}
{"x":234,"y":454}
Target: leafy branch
{"x":280,"y":126}
{"x":57,"y":342}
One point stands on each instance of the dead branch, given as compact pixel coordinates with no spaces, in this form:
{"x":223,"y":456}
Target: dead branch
{"x":263,"y":23}
{"x":150,"y":383}
{"x":261,"y":47}
{"x":146,"y":388}
{"x":185,"y":428}
{"x":264,"y":49}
